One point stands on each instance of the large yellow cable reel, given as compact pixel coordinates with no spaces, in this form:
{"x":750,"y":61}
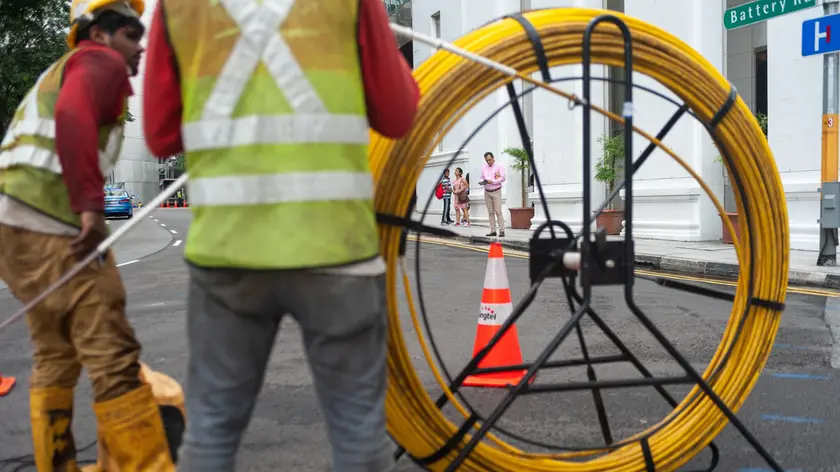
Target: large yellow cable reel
{"x":450,"y":86}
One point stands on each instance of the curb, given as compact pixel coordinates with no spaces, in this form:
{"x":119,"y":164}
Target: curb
{"x":685,"y":266}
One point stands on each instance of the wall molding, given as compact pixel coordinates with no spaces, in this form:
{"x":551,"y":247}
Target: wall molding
{"x":443,"y":158}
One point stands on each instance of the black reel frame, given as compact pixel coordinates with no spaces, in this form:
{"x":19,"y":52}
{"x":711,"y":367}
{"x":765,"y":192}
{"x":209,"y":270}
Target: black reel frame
{"x":597,"y":261}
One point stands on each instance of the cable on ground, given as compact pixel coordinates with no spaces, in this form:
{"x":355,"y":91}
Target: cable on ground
{"x":451,"y":85}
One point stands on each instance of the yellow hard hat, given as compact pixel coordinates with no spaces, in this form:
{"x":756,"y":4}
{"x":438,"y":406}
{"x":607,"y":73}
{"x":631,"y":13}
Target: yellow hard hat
{"x":85,"y":11}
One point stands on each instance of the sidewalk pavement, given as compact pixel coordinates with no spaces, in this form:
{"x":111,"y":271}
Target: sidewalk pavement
{"x":709,"y":258}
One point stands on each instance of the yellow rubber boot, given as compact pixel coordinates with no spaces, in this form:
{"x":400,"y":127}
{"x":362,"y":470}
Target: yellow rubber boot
{"x":131,"y":432}
{"x":51,"y":415}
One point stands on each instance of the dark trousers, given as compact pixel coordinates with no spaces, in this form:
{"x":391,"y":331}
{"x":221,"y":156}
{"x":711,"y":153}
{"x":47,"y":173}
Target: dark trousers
{"x":445,"y":216}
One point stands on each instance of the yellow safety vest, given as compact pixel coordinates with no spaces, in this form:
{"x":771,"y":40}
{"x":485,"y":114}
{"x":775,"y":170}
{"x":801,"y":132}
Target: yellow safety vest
{"x":30,"y":171}
{"x":275,"y":133}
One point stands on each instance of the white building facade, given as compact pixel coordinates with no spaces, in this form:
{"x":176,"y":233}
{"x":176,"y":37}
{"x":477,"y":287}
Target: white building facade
{"x":763,"y":61}
{"x":137,"y":167}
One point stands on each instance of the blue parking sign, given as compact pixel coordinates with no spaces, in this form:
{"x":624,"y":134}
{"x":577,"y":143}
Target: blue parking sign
{"x":821,"y":35}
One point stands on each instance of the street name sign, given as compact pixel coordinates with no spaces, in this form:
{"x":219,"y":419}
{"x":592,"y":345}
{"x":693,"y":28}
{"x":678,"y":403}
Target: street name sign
{"x":762,"y":10}
{"x":819,"y":35}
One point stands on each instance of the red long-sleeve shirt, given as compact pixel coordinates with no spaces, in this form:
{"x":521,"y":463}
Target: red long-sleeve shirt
{"x":391,"y":93}
{"x":92,"y":95}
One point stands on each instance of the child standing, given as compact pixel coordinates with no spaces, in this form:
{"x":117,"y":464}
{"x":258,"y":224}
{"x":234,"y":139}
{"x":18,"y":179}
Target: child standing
{"x":445,"y":217}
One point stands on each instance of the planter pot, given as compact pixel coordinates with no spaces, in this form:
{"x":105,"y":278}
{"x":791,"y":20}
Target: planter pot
{"x":520,"y":218}
{"x":610,"y":220}
{"x":727,"y":236}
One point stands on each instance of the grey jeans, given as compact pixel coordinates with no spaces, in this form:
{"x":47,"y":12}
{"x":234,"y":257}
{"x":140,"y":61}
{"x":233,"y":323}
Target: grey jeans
{"x":232,"y":321}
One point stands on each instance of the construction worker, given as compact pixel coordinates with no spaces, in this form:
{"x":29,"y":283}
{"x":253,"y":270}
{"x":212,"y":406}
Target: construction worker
{"x":63,"y":139}
{"x":272,"y":102}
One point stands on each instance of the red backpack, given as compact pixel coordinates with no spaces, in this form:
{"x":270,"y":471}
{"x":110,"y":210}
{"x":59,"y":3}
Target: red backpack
{"x":439,"y":191}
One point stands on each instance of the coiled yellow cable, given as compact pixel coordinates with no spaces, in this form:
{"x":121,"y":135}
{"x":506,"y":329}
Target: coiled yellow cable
{"x":450,"y":86}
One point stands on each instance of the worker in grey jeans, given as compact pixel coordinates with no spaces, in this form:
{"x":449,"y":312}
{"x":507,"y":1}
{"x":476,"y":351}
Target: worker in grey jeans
{"x":234,"y":317}
{"x":282,"y":198}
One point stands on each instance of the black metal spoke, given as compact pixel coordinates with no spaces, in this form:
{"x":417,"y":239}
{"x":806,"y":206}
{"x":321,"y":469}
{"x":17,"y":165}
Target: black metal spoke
{"x":697,"y":290}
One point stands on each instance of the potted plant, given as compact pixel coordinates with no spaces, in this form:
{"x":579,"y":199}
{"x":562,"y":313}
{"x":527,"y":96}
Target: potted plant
{"x":733,"y":216}
{"x":606,"y":170}
{"x":520,"y":218}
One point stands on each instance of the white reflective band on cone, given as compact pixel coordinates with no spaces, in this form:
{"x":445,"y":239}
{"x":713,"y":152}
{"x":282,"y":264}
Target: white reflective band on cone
{"x":285,"y":129}
{"x":495,"y":276}
{"x":280,"y":188}
{"x":30,"y":155}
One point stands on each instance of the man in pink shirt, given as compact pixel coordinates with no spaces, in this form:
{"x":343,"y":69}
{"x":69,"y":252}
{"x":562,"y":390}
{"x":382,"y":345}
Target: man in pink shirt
{"x":492,"y":176}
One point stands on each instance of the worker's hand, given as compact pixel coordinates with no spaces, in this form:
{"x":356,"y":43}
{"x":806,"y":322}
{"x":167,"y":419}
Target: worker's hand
{"x":93,"y":232}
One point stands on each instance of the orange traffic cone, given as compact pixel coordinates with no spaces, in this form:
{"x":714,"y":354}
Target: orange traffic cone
{"x":6,"y":385}
{"x":496,"y":307}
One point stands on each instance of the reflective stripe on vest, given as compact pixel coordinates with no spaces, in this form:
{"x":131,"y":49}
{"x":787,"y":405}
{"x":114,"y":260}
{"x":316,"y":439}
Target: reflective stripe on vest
{"x":46,"y":159}
{"x":30,"y":170}
{"x":32,"y":156}
{"x":282,"y":188}
{"x":33,"y":125}
{"x":288,"y":129}
{"x":261,"y":41}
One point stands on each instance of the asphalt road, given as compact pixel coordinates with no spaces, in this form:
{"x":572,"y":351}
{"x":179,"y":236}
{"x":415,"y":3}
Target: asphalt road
{"x":793,"y":408}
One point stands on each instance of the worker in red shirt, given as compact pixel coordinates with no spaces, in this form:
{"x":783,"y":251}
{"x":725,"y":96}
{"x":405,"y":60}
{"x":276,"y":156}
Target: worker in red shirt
{"x":272,"y":102}
{"x":63,"y":139}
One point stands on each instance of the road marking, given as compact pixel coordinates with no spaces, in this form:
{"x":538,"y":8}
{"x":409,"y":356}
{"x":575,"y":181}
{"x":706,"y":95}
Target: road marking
{"x":177,"y":243}
{"x":173,"y":231}
{"x":792,"y":419}
{"x":163,"y":225}
{"x":784,"y":375}
{"x":524,"y":255}
{"x":127,"y":263}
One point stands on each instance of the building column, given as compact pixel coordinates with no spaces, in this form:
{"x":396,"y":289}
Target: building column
{"x":794,"y":112}
{"x":668,"y":202}
{"x":558,"y":139}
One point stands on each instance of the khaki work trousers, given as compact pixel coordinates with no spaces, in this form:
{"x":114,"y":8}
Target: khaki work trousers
{"x":493,"y":200}
{"x":82,"y":324}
